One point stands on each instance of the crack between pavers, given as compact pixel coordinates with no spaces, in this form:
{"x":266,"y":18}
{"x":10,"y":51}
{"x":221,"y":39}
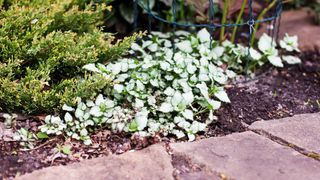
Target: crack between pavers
{"x":279,"y":140}
{"x":187,"y":165}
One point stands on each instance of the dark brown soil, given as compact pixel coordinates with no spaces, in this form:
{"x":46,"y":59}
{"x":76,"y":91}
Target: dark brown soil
{"x":276,"y":93}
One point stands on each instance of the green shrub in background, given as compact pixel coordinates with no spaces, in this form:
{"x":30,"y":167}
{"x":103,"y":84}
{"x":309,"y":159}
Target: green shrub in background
{"x":43,"y":46}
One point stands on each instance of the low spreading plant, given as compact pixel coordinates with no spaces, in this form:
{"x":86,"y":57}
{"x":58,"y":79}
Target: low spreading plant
{"x":43,"y":46}
{"x":157,"y":90}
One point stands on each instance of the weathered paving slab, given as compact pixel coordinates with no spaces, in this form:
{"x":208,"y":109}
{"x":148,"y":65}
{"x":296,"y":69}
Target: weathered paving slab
{"x":200,"y":175}
{"x":151,"y":163}
{"x":244,"y":156}
{"x":185,"y":169}
{"x":300,"y":130}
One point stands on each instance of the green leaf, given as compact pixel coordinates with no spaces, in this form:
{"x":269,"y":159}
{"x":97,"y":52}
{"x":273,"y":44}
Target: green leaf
{"x":91,"y":67}
{"x":133,"y":126}
{"x":141,"y":119}
{"x":291,"y":59}
{"x":24,"y":132}
{"x":275,"y":60}
{"x":166,"y":107}
{"x":118,"y":88}
{"x":222,"y":96}
{"x":265,"y":43}
{"x":203,"y":35}
{"x":185,"y":46}
{"x":42,"y":135}
{"x":144,"y":3}
{"x":127,"y":12}
{"x":188,"y":114}
{"x":66,"y":149}
{"x":84,"y":132}
{"x":68,"y":117}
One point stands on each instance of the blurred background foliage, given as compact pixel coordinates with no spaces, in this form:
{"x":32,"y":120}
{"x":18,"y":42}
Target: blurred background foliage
{"x":121,"y":18}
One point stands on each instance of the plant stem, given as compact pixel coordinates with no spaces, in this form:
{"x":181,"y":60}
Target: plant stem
{"x":235,"y":29}
{"x":182,"y":15}
{"x":201,"y":111}
{"x":260,"y":17}
{"x":224,"y":18}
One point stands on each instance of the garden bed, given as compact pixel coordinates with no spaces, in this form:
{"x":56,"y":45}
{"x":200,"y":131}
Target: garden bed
{"x":275,"y":93}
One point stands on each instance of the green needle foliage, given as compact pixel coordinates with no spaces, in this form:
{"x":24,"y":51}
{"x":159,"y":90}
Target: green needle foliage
{"x":43,"y":47}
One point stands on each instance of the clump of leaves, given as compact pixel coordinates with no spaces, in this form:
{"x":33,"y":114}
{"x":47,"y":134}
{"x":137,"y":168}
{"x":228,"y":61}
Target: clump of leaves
{"x":26,"y":138}
{"x":44,"y":44}
{"x":160,"y":91}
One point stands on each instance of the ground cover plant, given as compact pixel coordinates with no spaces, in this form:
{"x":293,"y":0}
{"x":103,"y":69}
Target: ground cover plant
{"x":99,"y":95}
{"x":44,"y":45}
{"x":163,"y":87}
{"x":270,"y":95}
{"x":159,"y":91}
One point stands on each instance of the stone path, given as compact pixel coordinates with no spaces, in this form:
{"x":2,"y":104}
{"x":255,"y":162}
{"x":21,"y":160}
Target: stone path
{"x":278,"y":149}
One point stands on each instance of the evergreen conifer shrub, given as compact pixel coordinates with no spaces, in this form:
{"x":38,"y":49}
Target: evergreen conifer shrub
{"x":43,"y":47}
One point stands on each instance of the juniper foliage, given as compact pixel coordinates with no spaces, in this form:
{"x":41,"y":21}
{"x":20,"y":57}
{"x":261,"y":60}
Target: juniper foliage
{"x":43,"y":47}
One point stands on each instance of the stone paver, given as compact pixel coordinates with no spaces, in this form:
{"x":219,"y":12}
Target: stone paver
{"x":300,"y":130}
{"x":301,"y":23}
{"x":151,"y":163}
{"x":240,"y":156}
{"x":201,"y":175}
{"x":245,"y":156}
